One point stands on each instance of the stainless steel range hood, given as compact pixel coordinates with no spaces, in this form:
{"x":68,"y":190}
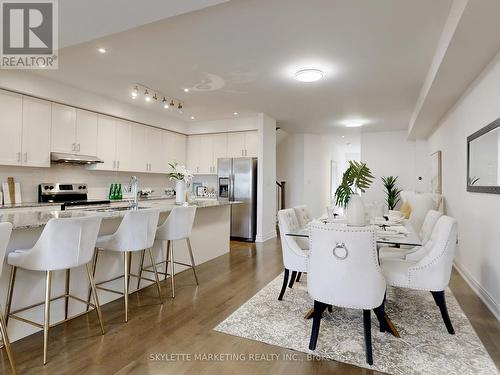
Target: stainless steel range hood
{"x":64,"y":158}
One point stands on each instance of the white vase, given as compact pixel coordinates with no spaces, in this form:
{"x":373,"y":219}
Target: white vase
{"x":180,"y":195}
{"x":356,"y":211}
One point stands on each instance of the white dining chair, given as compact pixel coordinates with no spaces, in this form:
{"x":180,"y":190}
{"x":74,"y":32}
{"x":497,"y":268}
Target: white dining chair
{"x":135,"y":233}
{"x":343,"y":271}
{"x":65,"y":243}
{"x":432,"y":272}
{"x":303,"y":215}
{"x":417,"y":252}
{"x":5,"y":231}
{"x":177,"y":226}
{"x":294,"y":258}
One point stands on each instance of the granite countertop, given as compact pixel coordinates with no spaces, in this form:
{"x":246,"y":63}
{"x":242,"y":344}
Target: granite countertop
{"x":36,"y":219}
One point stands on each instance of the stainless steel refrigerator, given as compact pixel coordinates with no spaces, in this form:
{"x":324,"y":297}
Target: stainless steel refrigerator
{"x":237,"y":181}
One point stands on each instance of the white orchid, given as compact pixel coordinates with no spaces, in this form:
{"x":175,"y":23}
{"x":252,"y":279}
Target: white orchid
{"x":179,"y":173}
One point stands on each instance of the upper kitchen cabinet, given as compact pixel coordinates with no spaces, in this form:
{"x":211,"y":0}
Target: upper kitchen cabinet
{"x":114,"y":144}
{"x":157,"y":155}
{"x":123,"y":145}
{"x":139,"y":162}
{"x":242,"y":144}
{"x":11,"y":123}
{"x":175,"y":145}
{"x":36,"y":132}
{"x":73,"y":130}
{"x":219,"y":149}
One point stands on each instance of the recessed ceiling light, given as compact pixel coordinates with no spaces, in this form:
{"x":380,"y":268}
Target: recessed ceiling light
{"x":309,"y":75}
{"x":343,"y":136}
{"x":192,"y":117}
{"x":353,"y":124}
{"x":235,"y":113}
{"x":102,"y":50}
{"x":186,"y":90}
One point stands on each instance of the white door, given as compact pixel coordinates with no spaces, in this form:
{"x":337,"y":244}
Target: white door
{"x":157,"y":163}
{"x":139,"y":162}
{"x":123,"y":145}
{"x":11,"y":110}
{"x":193,"y":153}
{"x":106,"y":142}
{"x":37,"y":120}
{"x":251,"y":144}
{"x":219,"y":149}
{"x":235,"y":145}
{"x":86,"y":133}
{"x":63,"y":129}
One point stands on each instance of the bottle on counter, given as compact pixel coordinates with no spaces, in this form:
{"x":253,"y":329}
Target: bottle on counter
{"x":119,"y":194}
{"x":111,"y":192}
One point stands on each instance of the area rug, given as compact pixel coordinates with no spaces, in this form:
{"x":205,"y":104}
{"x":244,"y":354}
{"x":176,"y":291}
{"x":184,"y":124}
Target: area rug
{"x":425,"y":347}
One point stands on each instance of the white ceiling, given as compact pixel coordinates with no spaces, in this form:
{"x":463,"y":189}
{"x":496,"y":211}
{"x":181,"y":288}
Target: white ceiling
{"x":376,"y":55}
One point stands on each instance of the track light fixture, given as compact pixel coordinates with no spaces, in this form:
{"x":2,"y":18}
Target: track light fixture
{"x":150,"y":94}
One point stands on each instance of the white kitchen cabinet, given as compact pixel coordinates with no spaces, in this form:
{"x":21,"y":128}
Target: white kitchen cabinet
{"x":157,"y":157}
{"x":63,"y":128}
{"x":36,"y":132}
{"x":106,"y":142}
{"x":86,"y":133}
{"x":11,"y":108}
{"x":193,"y":153}
{"x":123,"y":154}
{"x":251,"y":144}
{"x":235,"y":145}
{"x":219,"y":149}
{"x":139,"y":153}
{"x":176,"y":148}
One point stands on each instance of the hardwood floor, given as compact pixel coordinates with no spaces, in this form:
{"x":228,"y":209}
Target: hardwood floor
{"x":184,"y":326}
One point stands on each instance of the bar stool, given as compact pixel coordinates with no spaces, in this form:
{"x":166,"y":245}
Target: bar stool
{"x":135,"y":233}
{"x":65,"y":243}
{"x":5,"y":231}
{"x":178,"y":226}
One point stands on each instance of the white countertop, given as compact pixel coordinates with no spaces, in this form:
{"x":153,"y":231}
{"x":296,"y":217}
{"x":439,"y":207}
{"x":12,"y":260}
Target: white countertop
{"x":37,"y":218}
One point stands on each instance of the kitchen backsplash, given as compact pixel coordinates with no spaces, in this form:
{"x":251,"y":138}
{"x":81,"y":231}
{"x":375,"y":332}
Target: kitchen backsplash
{"x":98,"y":181}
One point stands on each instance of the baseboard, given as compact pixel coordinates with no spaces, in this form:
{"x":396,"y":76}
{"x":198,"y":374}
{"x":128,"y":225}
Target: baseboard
{"x":479,"y":290}
{"x":265,"y":237}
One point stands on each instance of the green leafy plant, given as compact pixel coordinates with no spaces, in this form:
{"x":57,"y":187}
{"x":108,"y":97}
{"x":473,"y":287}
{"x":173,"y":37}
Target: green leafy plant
{"x":357,"y":177}
{"x":392,"y":191}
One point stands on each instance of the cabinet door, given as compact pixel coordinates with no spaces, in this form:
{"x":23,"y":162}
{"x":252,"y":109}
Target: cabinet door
{"x":235,"y":145}
{"x":205,"y":158}
{"x":193,"y":153}
{"x":106,"y":142}
{"x":123,"y":145}
{"x":139,"y":162}
{"x":156,"y":158}
{"x":176,"y":148}
{"x":86,"y":132}
{"x":219,"y":149}
{"x":251,"y":144}
{"x":63,"y":129}
{"x":36,"y":132}
{"x":11,"y":109}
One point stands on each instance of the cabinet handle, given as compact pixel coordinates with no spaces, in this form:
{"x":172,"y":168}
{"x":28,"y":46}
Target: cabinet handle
{"x":118,"y":164}
{"x":18,"y":157}
{"x":114,"y":164}
{"x":78,"y":147}
{"x":72,"y":147}
{"x":25,"y":157}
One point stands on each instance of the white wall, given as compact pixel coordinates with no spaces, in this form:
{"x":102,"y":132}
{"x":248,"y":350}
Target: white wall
{"x":224,"y":125}
{"x":33,"y":84}
{"x":391,"y":154}
{"x":266,"y":179}
{"x":478,"y":215}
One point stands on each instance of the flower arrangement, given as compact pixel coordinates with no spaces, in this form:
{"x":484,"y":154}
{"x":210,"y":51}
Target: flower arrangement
{"x":179,"y":173}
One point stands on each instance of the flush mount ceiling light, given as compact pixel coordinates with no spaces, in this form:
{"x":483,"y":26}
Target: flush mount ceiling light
{"x":192,"y":117}
{"x":353,"y":124}
{"x":186,"y":90}
{"x":151,"y":95}
{"x":309,"y":75}
{"x":102,"y":50}
{"x":235,"y":113}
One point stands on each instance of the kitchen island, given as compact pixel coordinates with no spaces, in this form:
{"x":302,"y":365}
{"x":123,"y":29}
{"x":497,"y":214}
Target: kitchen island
{"x":210,"y":239}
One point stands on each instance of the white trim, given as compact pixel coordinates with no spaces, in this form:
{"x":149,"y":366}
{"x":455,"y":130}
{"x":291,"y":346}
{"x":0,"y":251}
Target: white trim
{"x":479,"y":290}
{"x":266,"y":237}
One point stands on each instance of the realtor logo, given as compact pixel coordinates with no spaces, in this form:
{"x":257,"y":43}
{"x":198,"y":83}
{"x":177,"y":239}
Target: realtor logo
{"x":28,"y":34}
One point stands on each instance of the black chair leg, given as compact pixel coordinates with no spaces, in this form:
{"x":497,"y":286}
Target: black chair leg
{"x":367,"y":323}
{"x":439,"y":298}
{"x":292,"y":279}
{"x":330,"y":308}
{"x":319,"y":308}
{"x":298,"y":277}
{"x":283,"y":288}
{"x":380,"y":313}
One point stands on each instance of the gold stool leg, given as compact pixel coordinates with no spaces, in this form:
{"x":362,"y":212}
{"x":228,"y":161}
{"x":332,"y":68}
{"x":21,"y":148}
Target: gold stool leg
{"x":192,"y":260}
{"x":96,"y":298}
{"x":8,"y":306}
{"x":94,"y":266}
{"x":141,"y":265}
{"x":156,"y":273}
{"x":172,"y":269}
{"x":167,"y":257}
{"x":46,"y":317}
{"x":5,"y":337}
{"x":125,"y":283}
{"x":66,"y":292}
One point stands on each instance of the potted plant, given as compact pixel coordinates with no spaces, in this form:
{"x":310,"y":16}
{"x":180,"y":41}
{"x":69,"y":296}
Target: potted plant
{"x":181,"y":176}
{"x":356,"y":179}
{"x":392,"y":192}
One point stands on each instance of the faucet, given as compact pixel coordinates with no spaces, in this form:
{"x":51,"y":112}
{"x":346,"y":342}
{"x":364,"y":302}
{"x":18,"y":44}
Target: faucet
{"x":133,"y":187}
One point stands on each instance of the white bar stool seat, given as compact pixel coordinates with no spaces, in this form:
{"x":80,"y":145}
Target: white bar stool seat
{"x":64,"y":244}
{"x":177,"y":226}
{"x":5,"y":231}
{"x":135,"y":233}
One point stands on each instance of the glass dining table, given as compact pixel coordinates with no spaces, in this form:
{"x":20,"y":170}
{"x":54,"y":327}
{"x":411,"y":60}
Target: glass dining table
{"x":392,"y":234}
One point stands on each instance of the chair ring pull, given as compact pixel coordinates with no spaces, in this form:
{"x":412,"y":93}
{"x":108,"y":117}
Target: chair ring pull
{"x":340,"y":245}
